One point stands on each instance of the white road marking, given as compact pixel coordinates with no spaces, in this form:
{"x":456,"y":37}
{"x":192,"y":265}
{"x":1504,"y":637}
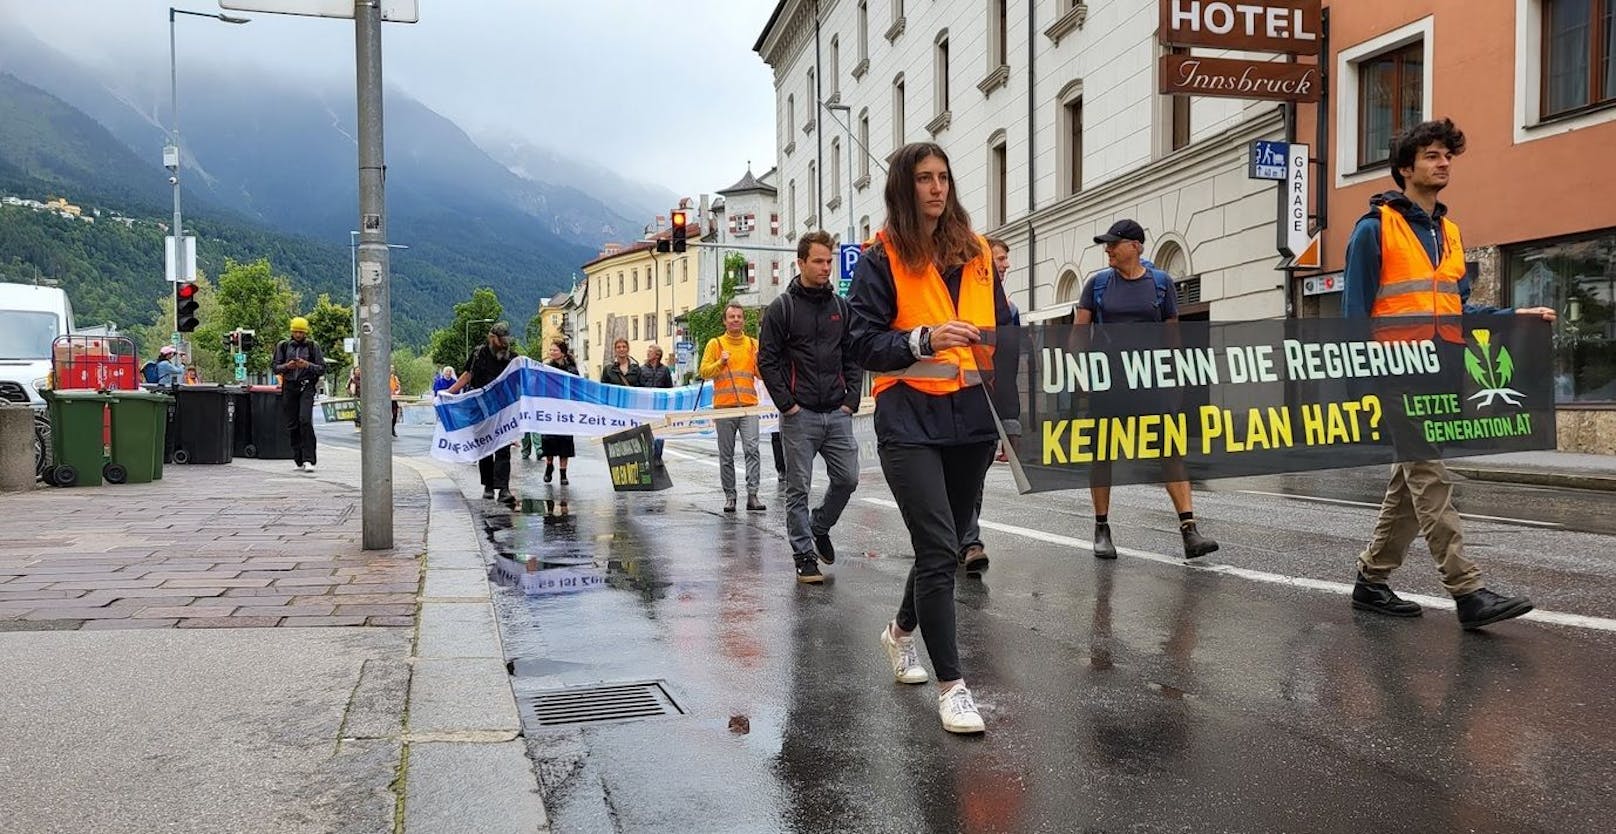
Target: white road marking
{"x":702,"y":459}
{"x":1554,"y":617}
{"x":1375,"y":506}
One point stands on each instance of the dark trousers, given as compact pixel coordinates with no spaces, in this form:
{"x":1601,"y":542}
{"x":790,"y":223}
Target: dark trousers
{"x":495,"y":470}
{"x":297,"y":416}
{"x":936,"y":488}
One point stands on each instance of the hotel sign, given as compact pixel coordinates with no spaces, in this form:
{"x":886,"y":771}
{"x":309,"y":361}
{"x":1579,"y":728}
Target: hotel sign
{"x":1271,"y":81}
{"x":1287,"y":26}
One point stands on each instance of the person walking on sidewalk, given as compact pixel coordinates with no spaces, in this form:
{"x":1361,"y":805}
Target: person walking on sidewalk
{"x":622,"y":370}
{"x":730,"y":361}
{"x":483,"y":366}
{"x":1132,"y":291}
{"x":554,"y":447}
{"x":925,"y":303}
{"x":1406,"y":242}
{"x":805,"y":357}
{"x":973,"y":554}
{"x":395,"y":388}
{"x":654,"y":374}
{"x":300,"y":364}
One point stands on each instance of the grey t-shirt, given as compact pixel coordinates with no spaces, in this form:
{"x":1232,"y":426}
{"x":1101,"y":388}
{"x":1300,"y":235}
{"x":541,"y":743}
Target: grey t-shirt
{"x":1130,"y":301}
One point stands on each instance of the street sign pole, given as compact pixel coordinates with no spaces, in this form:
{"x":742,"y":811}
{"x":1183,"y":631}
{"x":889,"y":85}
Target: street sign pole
{"x":375,"y":303}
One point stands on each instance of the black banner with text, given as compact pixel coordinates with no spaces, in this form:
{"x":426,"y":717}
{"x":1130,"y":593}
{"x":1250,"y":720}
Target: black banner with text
{"x":1135,"y":403}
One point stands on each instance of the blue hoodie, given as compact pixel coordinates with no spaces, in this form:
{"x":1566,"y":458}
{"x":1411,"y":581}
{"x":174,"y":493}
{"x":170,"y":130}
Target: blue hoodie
{"x":1362,"y":274}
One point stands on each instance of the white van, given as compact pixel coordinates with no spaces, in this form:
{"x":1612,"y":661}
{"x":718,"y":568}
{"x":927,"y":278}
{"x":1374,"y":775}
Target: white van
{"x":30,"y":320}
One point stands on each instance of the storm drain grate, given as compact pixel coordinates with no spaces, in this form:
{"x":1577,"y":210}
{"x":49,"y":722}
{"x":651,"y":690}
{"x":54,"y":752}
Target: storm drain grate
{"x":602,"y":704}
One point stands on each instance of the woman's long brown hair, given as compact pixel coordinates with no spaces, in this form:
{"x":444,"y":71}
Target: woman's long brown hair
{"x":952,"y":243}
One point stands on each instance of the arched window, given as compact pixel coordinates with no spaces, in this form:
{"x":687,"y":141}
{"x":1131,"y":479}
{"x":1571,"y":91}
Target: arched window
{"x":1068,"y":287}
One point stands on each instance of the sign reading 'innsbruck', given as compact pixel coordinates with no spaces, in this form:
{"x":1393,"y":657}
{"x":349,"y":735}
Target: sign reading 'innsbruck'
{"x":1282,"y":26}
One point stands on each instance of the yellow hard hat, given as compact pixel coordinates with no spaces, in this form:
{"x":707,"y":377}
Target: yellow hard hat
{"x":299,"y":323}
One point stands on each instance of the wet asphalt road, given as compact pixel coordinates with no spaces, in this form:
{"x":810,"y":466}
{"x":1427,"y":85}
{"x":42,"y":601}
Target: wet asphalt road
{"x":1138,"y":695}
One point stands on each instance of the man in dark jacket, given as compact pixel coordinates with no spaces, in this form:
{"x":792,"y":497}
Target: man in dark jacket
{"x":805,"y":359}
{"x":300,"y":365}
{"x":654,"y":374}
{"x":483,"y":366}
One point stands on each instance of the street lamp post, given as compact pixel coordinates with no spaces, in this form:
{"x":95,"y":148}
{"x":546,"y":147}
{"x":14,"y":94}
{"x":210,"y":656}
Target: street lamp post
{"x":468,"y":331}
{"x":847,"y":112}
{"x":171,"y":154}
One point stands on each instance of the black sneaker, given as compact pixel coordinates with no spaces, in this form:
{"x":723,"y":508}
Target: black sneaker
{"x":827,"y":551}
{"x":1381,"y":599}
{"x":488,"y":495}
{"x":808,"y":569}
{"x":1483,"y":607}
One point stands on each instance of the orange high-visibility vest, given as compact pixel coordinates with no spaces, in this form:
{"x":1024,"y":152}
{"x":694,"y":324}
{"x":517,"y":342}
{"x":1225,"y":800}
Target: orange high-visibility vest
{"x":735,"y":385}
{"x":1420,"y":300}
{"x":923,"y":301}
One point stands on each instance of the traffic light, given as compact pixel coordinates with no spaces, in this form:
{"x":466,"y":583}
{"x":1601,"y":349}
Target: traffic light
{"x":679,"y":221}
{"x":246,"y":339}
{"x":185,"y":307}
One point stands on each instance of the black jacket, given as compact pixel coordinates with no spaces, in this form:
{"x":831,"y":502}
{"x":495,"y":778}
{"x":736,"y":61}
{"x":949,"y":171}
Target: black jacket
{"x":805,"y":351}
{"x":659,"y":377}
{"x":289,"y":349}
{"x":903,"y":414}
{"x":612,"y":376}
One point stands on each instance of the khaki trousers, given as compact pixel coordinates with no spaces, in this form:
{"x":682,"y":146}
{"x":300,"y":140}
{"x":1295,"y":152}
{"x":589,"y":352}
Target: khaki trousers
{"x":1419,"y":499}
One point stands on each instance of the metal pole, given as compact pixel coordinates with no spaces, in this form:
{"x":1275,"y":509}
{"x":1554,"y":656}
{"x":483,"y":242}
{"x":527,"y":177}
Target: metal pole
{"x":353,"y":274}
{"x":174,"y":113}
{"x":375,"y":302}
{"x":852,"y":226}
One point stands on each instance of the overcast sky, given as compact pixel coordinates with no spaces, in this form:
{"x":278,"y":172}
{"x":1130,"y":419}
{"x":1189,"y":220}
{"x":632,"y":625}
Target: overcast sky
{"x":594,"y":79}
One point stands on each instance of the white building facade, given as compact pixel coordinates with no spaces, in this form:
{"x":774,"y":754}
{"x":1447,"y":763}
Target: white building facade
{"x":746,"y":220}
{"x":1050,"y":115}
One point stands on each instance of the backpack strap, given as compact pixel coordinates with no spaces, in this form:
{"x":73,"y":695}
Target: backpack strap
{"x":1101,"y":280}
{"x":1164,"y":285}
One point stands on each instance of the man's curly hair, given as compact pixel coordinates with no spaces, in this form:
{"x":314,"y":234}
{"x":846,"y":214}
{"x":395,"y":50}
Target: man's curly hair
{"x":1408,"y":144}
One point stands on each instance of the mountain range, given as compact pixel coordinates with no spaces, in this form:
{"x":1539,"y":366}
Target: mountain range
{"x":270,"y":165}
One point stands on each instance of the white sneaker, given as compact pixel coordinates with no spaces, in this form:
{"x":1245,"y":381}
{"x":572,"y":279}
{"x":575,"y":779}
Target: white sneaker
{"x":958,"y":711}
{"x":906,"y":666}
{"x":308,"y":467}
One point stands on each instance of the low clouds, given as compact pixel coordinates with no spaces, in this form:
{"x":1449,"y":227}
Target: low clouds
{"x":669,"y":93}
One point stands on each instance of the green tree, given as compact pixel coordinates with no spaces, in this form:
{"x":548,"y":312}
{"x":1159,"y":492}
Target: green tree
{"x":329,"y":324}
{"x":252,"y":297}
{"x":707,"y":323}
{"x":414,"y":372}
{"x":472,"y":318}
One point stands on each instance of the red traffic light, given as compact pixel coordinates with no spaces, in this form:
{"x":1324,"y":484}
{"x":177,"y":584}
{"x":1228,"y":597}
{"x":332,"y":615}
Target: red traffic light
{"x":185,"y":291}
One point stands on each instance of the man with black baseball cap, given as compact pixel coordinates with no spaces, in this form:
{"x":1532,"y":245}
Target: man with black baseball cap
{"x":1123,"y":229}
{"x":1132,"y":290}
{"x":485,"y":365}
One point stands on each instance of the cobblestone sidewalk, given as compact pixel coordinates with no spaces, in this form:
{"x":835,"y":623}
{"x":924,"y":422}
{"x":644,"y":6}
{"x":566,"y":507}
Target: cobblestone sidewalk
{"x":248,"y":544}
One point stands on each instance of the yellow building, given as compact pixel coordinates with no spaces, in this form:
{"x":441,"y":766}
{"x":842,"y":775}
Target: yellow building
{"x":60,"y":204}
{"x":552,"y":323}
{"x":635,"y":293}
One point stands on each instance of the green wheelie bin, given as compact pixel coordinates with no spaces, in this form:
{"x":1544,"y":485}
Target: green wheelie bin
{"x":78,"y":440}
{"x":139,"y":425}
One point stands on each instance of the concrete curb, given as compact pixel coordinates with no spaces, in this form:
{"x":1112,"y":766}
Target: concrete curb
{"x":1566,"y":480}
{"x":463,"y":734}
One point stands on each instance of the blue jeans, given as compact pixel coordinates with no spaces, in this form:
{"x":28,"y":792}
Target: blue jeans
{"x":829,"y":435}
